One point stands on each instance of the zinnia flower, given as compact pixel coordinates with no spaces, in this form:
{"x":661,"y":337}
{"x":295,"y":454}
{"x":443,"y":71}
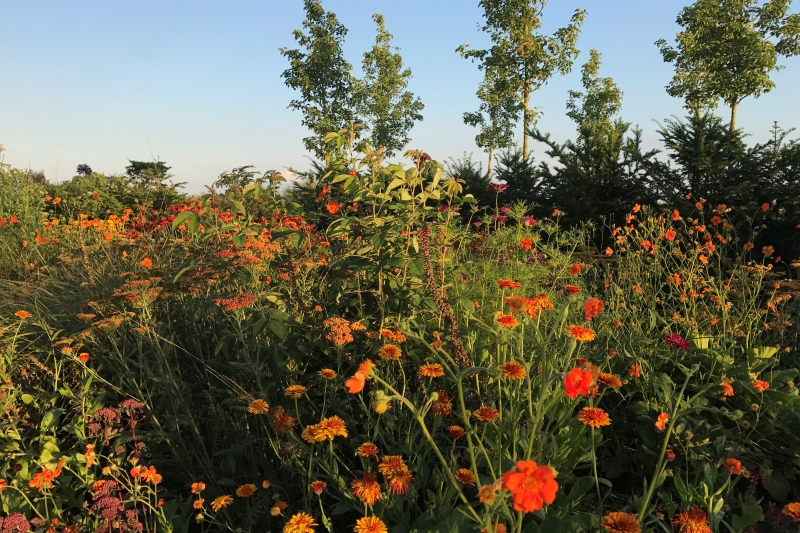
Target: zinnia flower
{"x":258,"y":407}
{"x":619,"y":522}
{"x":577,"y":382}
{"x":513,"y":370}
{"x":220,"y":502}
{"x":579,"y":333}
{"x":507,"y":321}
{"x":465,"y":476}
{"x":300,"y":523}
{"x":593,"y":307}
{"x":485,"y":413}
{"x":693,"y":520}
{"x":367,"y":489}
{"x":531,"y":486}
{"x":294,"y":391}
{"x":367,"y":449}
{"x":390,"y":352}
{"x":734,"y":466}
{"x":792,"y":510}
{"x":431,"y":370}
{"x":370,"y":524}
{"x":327,"y":373}
{"x":594,"y":417}
{"x":456,"y":432}
{"x":333,"y":427}
{"x":661,"y":421}
{"x":246,"y":490}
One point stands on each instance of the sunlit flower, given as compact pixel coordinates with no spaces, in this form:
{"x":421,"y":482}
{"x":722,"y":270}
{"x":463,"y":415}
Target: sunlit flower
{"x":760,"y":385}
{"x":294,"y":391}
{"x":727,"y":388}
{"x":661,"y":421}
{"x":693,"y":520}
{"x":792,"y":510}
{"x":318,"y":486}
{"x":635,"y":371}
{"x":487,"y":494}
{"x":670,"y":234}
{"x":89,"y":455}
{"x":594,"y":417}
{"x":456,"y":432}
{"x":356,"y":383}
{"x":734,"y":466}
{"x":485,"y":413}
{"x":507,"y":321}
{"x":575,"y":269}
{"x":327,"y":373}
{"x":147,"y":262}
{"x":517,"y":304}
{"x":431,"y":370}
{"x":577,"y":381}
{"x":572,"y":289}
{"x":258,"y":407}
{"x":513,"y":370}
{"x":399,"y":483}
{"x":579,"y":333}
{"x":220,"y":502}
{"x":593,"y":307}
{"x":370,"y":524}
{"x":508,"y":284}
{"x":149,"y":475}
{"x":22,"y":315}
{"x":675,"y":215}
{"x":609,"y":380}
{"x":543,"y":302}
{"x":198,"y":487}
{"x":465,"y":476}
{"x":312,"y":434}
{"x":391,"y":465}
{"x":531,"y":486}
{"x":619,"y":522}
{"x":332,"y":207}
{"x":367,"y":449}
{"x":390,"y":352}
{"x":367,"y":489}
{"x":246,"y":490}
{"x":526,"y":243}
{"x":300,"y":523}
{"x":333,"y":427}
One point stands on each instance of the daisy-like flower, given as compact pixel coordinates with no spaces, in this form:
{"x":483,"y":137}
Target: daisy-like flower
{"x":312,"y":433}
{"x":619,"y":522}
{"x":508,"y":284}
{"x":531,"y":486}
{"x":487,"y":494}
{"x":543,"y":302}
{"x":485,"y":413}
{"x":572,"y":289}
{"x":367,"y":449}
{"x":431,"y":370}
{"x":693,"y":520}
{"x":513,"y":370}
{"x":300,"y":523}
{"x":22,"y":315}
{"x":507,"y":321}
{"x":370,"y":524}
{"x":399,"y":483}
{"x":456,"y":432}
{"x":327,"y":373}
{"x":580,"y":333}
{"x":465,"y":476}
{"x":517,"y":304}
{"x":198,"y":487}
{"x":594,"y":417}
{"x":609,"y":380}
{"x":734,"y":466}
{"x":661,"y":421}
{"x":792,"y":510}
{"x":246,"y":490}
{"x":391,"y":465}
{"x":258,"y":407}
{"x":760,"y":385}
{"x":294,"y":391}
{"x":333,"y":427}
{"x":390,"y":352}
{"x":367,"y":489}
{"x":318,"y":486}
{"x":221,"y":501}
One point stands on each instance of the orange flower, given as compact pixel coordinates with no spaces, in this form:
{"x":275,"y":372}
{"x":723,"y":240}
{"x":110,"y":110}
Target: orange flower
{"x":485,"y":413}
{"x":792,"y":510}
{"x":465,"y":476}
{"x":670,"y":234}
{"x":198,"y":487}
{"x":765,"y":207}
{"x":513,"y":370}
{"x":727,"y":388}
{"x":593,"y":307}
{"x":22,"y":315}
{"x":692,"y":520}
{"x":768,"y":251}
{"x":748,"y":246}
{"x":760,"y":385}
{"x":332,"y":207}
{"x":508,"y":284}
{"x":716,"y":221}
{"x":147,"y":262}
{"x":456,"y":432}
{"x":487,"y":494}
{"x":294,"y":391}
{"x":661,"y":421}
{"x":635,"y":371}
{"x":333,"y":427}
{"x":517,"y":304}
{"x":431,"y":370}
{"x":327,"y":373}
{"x":264,"y":484}
{"x":392,"y":465}
{"x":531,"y":486}
{"x":390,"y":352}
{"x":734,"y":466}
{"x":367,"y":489}
{"x":636,"y":208}
{"x":220,"y":502}
{"x":609,"y":380}
{"x":312,"y":434}
{"x":609,"y":252}
{"x":258,"y":407}
{"x":370,"y":524}
{"x":149,"y":475}
{"x":703,"y":259}
{"x":594,"y":417}
{"x":318,"y":486}
{"x":367,"y":449}
{"x":399,"y":483}
{"x":89,"y":455}
{"x":575,"y":269}
{"x":646,"y":244}
{"x":507,"y":321}
{"x":83,"y":356}
{"x":198,"y":503}
{"x":356,"y":383}
{"x":619,"y":522}
{"x":246,"y":490}
{"x":526,"y":243}
{"x":577,"y":382}
{"x":579,"y":333}
{"x":300,"y":523}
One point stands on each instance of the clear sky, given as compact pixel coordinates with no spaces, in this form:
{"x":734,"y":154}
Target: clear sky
{"x":197,"y":83}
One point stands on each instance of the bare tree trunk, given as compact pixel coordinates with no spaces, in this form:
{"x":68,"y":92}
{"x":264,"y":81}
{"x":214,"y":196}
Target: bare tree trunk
{"x":489,"y":164}
{"x":525,"y":120}
{"x":733,"y":115}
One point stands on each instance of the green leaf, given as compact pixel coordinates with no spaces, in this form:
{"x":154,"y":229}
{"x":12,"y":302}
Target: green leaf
{"x":278,"y":327}
{"x":777,"y":485}
{"x":50,"y":419}
{"x":27,"y":398}
{"x":239,"y":240}
{"x":751,"y":514}
{"x":183,"y":217}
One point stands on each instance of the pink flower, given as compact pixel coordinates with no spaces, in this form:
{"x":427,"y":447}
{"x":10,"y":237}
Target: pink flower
{"x":676,"y":341}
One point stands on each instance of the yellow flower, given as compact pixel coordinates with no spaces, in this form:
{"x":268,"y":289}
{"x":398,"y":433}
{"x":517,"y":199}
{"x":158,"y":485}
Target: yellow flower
{"x":370,"y":524}
{"x":221,"y":501}
{"x":300,"y":523}
{"x":258,"y":407}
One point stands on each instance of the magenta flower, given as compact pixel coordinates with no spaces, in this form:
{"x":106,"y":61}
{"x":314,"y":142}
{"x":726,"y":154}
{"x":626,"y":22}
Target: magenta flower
{"x":498,"y":187}
{"x":676,"y":341}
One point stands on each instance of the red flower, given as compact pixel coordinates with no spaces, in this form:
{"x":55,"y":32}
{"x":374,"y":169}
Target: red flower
{"x":734,"y":466}
{"x":577,"y":382}
{"x":526,"y":243}
{"x":593,"y":307}
{"x":575,"y":269}
{"x":531,"y":486}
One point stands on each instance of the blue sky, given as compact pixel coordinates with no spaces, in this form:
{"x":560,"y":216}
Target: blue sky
{"x":197,"y":83}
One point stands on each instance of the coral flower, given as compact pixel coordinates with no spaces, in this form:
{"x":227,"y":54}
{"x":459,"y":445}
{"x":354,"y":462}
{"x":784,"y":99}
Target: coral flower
{"x":593,"y":307}
{"x":22,"y":315}
{"x":147,"y":262}
{"x":635,"y":371}
{"x":577,"y":382}
{"x":727,"y":388}
{"x":367,"y":449}
{"x":89,"y":455}
{"x":734,"y":466}
{"x":300,"y":523}
{"x":294,"y":391}
{"x":507,"y":321}
{"x":487,"y":494}
{"x":390,"y":352}
{"x":356,"y":383}
{"x":431,"y":370}
{"x":760,"y":385}
{"x":332,"y":207}
{"x":609,"y":380}
{"x":456,"y":432}
{"x":531,"y":486}
{"x":465,"y":476}
{"x":513,"y":370}
{"x":693,"y":520}
{"x":579,"y":333}
{"x":327,"y":373}
{"x":670,"y":234}
{"x":594,"y":417}
{"x":526,"y":243}
{"x":333,"y":427}
{"x":367,"y":489}
{"x":618,"y":522}
{"x":792,"y":510}
{"x":370,"y":524}
{"x":220,"y":502}
{"x":661,"y":421}
{"x":485,"y":413}
{"x":670,"y":455}
{"x":258,"y":407}
{"x":318,"y":486}
{"x":246,"y":490}
{"x":198,"y":487}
